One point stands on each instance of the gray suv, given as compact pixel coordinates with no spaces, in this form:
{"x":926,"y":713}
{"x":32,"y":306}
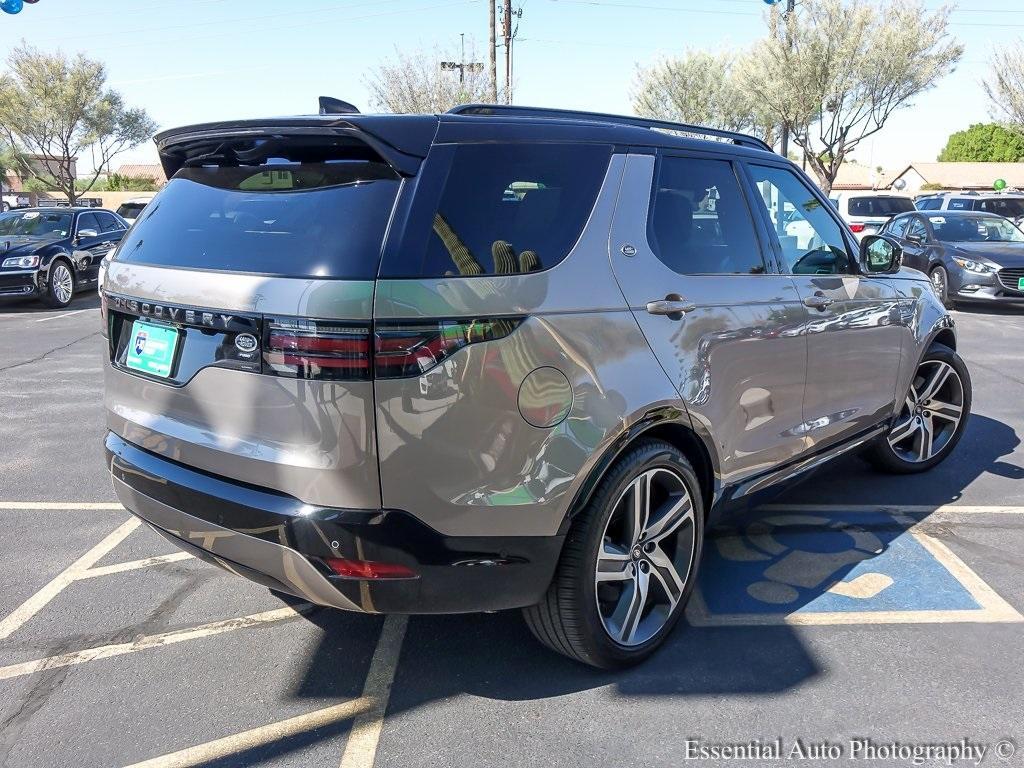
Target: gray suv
{"x":500,"y":358}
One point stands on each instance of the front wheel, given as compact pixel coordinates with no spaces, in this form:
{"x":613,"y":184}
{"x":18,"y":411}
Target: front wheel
{"x":933,"y":417}
{"x":629,"y":562}
{"x":940,"y":282}
{"x":61,"y":286}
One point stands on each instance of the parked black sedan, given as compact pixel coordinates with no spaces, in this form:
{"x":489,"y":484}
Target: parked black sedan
{"x":969,"y":255}
{"x":52,"y":252}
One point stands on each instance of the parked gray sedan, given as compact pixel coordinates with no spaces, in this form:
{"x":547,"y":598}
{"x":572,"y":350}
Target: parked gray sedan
{"x":969,"y":256}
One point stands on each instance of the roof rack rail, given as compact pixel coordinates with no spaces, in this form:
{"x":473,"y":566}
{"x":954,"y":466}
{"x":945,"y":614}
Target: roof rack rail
{"x":640,"y":122}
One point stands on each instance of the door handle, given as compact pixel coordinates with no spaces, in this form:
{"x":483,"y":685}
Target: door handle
{"x":670,"y":306}
{"x":819,"y":301}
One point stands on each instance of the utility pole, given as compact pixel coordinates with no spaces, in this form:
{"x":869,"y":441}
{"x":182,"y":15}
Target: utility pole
{"x":491,"y":51}
{"x":509,"y":36}
{"x":790,"y":8}
{"x":462,"y":65}
{"x":507,"y":32}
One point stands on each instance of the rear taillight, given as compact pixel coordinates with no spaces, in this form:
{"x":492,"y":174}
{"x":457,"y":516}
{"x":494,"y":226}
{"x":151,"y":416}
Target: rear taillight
{"x":857,"y":227}
{"x":317,"y":349}
{"x":367,"y":569}
{"x":411,"y":348}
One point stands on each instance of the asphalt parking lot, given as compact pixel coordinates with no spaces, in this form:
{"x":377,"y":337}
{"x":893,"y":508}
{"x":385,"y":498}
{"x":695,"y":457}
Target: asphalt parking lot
{"x":856,"y":607}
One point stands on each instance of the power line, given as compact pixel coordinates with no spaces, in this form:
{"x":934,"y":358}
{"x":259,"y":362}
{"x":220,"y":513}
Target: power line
{"x":234,"y":32}
{"x":221,"y":22}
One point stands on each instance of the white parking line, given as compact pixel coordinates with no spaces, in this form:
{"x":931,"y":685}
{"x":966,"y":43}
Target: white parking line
{"x":66,"y":314}
{"x":57,"y":506}
{"x":147,"y":642}
{"x":30,"y":607}
{"x":895,"y":509}
{"x":361,"y":748}
{"x":131,"y":565}
{"x":257,"y":737}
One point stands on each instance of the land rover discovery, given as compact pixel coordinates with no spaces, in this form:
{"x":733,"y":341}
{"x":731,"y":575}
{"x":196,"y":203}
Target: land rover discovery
{"x":500,"y":358}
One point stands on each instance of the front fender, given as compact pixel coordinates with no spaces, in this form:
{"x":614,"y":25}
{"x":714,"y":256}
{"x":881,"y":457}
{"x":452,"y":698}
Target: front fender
{"x":929,"y":322}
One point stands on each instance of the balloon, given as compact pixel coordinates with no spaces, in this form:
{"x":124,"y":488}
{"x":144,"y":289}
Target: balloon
{"x":11,"y":6}
{"x":999,"y":185}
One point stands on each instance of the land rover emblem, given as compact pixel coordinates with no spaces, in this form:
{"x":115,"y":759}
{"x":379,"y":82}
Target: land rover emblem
{"x":246,"y":342}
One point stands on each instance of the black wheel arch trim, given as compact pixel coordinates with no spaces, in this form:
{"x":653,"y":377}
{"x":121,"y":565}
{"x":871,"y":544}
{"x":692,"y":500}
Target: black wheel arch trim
{"x":654,"y":423}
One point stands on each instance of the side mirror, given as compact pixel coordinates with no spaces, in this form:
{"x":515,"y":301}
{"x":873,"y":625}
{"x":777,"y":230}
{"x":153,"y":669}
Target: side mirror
{"x":87,"y":233}
{"x":915,"y":238}
{"x":880,"y":254}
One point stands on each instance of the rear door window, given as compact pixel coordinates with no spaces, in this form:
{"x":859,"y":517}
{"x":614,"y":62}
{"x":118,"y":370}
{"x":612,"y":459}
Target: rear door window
{"x":509,"y":209}
{"x":879,"y":206}
{"x":302,"y":210}
{"x":960,"y":204}
{"x":700,"y":222}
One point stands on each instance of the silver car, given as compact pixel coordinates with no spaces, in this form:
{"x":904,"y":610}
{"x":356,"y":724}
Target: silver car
{"x":500,"y":358}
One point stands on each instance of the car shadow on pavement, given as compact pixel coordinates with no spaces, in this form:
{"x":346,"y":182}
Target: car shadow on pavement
{"x":86,"y":299}
{"x":494,"y":656}
{"x":981,"y":450}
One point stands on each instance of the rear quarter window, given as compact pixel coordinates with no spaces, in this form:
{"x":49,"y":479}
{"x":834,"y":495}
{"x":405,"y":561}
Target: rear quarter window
{"x":506,"y":209}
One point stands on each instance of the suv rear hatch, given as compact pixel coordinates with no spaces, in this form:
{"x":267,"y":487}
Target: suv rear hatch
{"x":238,"y":307}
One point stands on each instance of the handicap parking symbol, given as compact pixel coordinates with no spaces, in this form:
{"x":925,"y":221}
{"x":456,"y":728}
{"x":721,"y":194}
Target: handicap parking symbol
{"x":839,"y":568}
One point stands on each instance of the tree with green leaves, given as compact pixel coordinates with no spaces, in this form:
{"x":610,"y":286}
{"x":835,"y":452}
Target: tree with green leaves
{"x":59,"y":108}
{"x":984,"y":143}
{"x":1005,"y":83}
{"x":834,"y":71}
{"x":699,"y":88}
{"x":414,"y":83}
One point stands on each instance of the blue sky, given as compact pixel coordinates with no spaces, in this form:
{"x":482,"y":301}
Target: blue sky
{"x":196,"y":60}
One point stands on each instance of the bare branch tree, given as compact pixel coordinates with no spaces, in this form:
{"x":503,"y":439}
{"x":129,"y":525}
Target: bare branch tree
{"x":415,"y":83}
{"x":836,"y":70}
{"x":1005,"y":83}
{"x":58,"y":107}
{"x":699,"y":87}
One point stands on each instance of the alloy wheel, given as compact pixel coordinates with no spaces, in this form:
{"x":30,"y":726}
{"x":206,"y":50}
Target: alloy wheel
{"x":646,"y":557}
{"x":939,"y":282}
{"x":63,"y":283}
{"x":931,"y":413}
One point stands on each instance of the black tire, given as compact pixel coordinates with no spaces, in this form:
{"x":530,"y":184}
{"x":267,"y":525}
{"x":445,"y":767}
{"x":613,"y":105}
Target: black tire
{"x":884,"y":456}
{"x":54,"y":296}
{"x":568,"y":620}
{"x":940,"y":281}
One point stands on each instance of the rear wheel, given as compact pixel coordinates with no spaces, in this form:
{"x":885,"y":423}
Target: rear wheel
{"x":629,"y":563}
{"x":933,"y":417}
{"x":61,"y":286}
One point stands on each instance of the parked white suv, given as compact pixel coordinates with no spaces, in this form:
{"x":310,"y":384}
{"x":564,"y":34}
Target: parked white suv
{"x":1008,"y":204}
{"x":867,"y":212}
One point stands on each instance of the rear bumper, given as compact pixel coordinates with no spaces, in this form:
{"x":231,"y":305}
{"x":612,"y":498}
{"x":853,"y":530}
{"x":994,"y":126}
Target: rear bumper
{"x":276,"y":540}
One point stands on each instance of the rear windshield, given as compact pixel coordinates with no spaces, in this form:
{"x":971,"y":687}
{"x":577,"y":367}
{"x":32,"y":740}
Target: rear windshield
{"x":1011,"y":207}
{"x":879,"y":206}
{"x":130,"y":210}
{"x":296,"y":219}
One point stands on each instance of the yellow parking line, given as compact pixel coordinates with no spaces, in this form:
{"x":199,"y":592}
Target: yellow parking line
{"x":361,"y":748}
{"x":258,"y":737}
{"x":56,"y":505}
{"x":34,"y":604}
{"x":147,"y":642}
{"x":131,"y":565}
